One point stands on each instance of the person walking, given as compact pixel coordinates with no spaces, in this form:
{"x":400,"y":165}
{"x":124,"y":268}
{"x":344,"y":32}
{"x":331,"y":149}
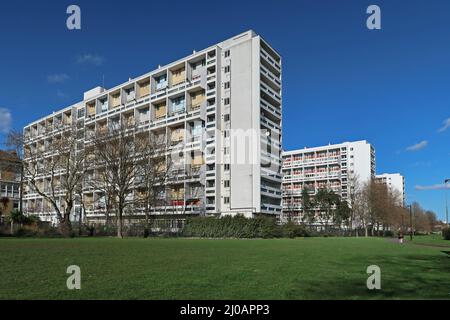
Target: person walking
{"x":400,"y":236}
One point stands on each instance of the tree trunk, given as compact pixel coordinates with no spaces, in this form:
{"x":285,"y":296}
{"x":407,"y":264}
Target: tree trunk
{"x":21,"y":189}
{"x":65,"y":227}
{"x":119,"y":224}
{"x":79,"y":222}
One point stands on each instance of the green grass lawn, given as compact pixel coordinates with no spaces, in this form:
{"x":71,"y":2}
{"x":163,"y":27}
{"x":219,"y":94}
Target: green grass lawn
{"x":311,"y":268}
{"x":431,"y":240}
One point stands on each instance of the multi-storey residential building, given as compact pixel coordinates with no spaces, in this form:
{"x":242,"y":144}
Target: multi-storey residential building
{"x":330,"y":167}
{"x":10,"y":172}
{"x":219,"y":109}
{"x":395,"y":183}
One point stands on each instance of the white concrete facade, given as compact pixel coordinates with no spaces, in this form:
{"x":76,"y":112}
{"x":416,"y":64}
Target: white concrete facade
{"x":332,"y":167}
{"x":227,"y":101}
{"x":395,"y":183}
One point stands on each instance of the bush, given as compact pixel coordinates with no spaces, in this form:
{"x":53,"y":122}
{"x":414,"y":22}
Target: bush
{"x":291,"y":230}
{"x":240,"y":227}
{"x":388,"y":233}
{"x":446,"y":233}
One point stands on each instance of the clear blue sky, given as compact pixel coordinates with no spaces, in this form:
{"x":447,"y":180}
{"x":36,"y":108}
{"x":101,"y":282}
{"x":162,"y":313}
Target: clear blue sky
{"x":341,"y":81}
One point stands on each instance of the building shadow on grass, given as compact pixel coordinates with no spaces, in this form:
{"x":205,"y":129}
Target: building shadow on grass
{"x":402,"y":277}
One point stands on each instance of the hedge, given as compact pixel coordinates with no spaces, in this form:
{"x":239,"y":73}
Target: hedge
{"x":446,"y":233}
{"x":240,"y":227}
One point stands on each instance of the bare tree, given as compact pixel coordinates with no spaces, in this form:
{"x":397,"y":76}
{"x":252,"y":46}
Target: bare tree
{"x":361,"y":207}
{"x":55,"y":172}
{"x":152,"y":171}
{"x":289,"y":207}
{"x":354,"y":195}
{"x":14,"y":141}
{"x":119,"y":155}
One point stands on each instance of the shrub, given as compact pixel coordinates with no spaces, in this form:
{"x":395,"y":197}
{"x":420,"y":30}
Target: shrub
{"x":240,"y":227}
{"x":291,"y":230}
{"x":446,"y":233}
{"x":388,"y":233}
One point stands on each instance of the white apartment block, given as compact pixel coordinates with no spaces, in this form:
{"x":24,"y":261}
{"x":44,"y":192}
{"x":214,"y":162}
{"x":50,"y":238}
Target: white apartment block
{"x":330,"y":167}
{"x":395,"y":183}
{"x":219,"y":108}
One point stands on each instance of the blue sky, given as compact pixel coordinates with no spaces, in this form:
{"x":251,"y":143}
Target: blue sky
{"x":341,"y":81}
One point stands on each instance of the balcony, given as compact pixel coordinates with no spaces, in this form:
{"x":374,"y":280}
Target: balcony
{"x":177,"y":135}
{"x":270,"y":208}
{"x":270,"y":109}
{"x":160,"y":111}
{"x":161,"y":82}
{"x":114,"y":100}
{"x":103,"y":105}
{"x":130,"y":95}
{"x":270,"y":79}
{"x":196,"y":100}
{"x":269,"y":95}
{"x":178,"y":76}
{"x":270,"y":191}
{"x":270,"y":62}
{"x":143,"y":88}
{"x":90,"y":109}
{"x":269,"y":123}
{"x":178,"y":105}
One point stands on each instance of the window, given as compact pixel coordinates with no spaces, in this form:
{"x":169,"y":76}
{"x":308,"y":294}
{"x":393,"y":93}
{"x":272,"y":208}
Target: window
{"x":197,"y":129}
{"x":226,"y":150}
{"x":198,"y":65}
{"x":226,"y":183}
{"x":178,"y":104}
{"x":226,"y":117}
{"x":226,"y":167}
{"x":144,"y":115}
{"x":104,"y":105}
{"x":161,"y":82}
{"x":226,"y":134}
{"x":227,"y":53}
{"x":227,"y":85}
{"x":226,"y":200}
{"x":226,"y":101}
{"x":80,"y":113}
{"x":226,"y":69}
{"x":130,"y":94}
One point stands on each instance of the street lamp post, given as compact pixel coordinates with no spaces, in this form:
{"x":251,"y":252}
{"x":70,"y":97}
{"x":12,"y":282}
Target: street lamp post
{"x":446,"y":181}
{"x":410,"y":223}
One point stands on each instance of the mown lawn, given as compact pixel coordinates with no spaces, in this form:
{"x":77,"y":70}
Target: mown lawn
{"x":311,"y":268}
{"x":431,"y":240}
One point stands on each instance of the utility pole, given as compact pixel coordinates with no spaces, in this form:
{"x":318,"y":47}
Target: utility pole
{"x":410,"y":223}
{"x":446,"y":181}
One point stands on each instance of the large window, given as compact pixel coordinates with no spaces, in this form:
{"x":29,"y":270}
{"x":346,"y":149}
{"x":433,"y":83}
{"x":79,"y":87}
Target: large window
{"x":161,"y":82}
{"x":104,"y":105}
{"x":144,"y":115}
{"x":178,"y":104}
{"x":197,"y":129}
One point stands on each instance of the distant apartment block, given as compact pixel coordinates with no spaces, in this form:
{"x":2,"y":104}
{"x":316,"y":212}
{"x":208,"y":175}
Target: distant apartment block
{"x":10,"y":172}
{"x":328,"y":167}
{"x":395,"y":183}
{"x":218,"y":108}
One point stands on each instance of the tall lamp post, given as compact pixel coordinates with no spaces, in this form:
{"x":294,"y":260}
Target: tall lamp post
{"x":446,"y":181}
{"x":410,"y":223}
